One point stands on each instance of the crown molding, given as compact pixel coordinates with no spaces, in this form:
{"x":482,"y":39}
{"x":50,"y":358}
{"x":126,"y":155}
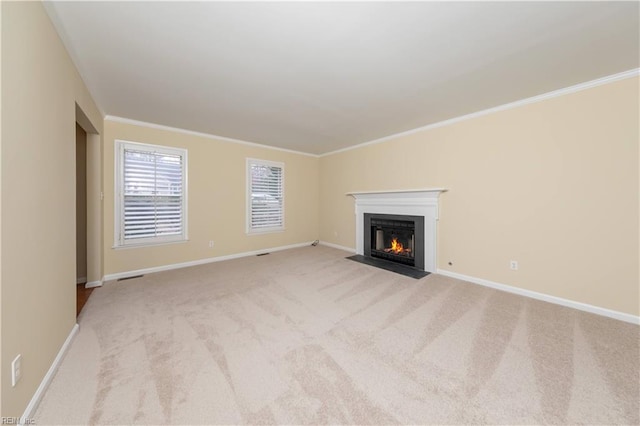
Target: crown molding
{"x":516,"y":104}
{"x":123,"y":120}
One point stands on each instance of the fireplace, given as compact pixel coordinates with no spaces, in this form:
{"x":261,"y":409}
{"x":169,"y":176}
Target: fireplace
{"x":410,"y":216}
{"x":395,"y":238}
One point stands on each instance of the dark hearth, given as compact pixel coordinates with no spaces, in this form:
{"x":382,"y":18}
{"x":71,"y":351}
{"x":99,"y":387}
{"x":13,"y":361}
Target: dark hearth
{"x":398,"y":268}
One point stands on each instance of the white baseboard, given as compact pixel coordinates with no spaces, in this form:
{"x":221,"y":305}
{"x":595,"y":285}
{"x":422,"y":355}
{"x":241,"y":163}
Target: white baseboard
{"x":118,"y":275}
{"x":93,"y":284}
{"x":545,"y":297}
{"x":46,"y":381}
{"x":336,"y":246}
{"x":81,"y":280}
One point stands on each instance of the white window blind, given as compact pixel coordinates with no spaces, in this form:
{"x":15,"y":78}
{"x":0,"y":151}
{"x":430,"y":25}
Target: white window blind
{"x":152,"y":194}
{"x":265,"y":197}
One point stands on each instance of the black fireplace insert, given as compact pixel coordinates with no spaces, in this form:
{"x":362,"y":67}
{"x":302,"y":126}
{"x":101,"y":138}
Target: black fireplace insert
{"x":395,"y":238}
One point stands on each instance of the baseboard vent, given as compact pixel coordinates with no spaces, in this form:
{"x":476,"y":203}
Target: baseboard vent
{"x":130,"y":278}
{"x":262,"y":254}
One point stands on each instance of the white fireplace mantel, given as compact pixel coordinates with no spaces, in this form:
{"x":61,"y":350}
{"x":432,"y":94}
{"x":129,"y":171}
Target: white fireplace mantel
{"x":414,"y":202}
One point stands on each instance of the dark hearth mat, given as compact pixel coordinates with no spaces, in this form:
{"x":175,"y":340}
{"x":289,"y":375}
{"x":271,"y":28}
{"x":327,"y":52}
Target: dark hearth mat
{"x":407,"y":271}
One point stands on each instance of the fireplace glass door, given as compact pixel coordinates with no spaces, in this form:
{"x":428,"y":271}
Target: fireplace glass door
{"x":393,"y":240}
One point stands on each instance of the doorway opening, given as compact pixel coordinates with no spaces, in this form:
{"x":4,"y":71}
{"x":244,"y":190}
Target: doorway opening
{"x":88,"y":208}
{"x":81,"y":205}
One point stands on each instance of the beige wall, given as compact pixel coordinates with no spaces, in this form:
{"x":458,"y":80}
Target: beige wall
{"x":216,"y":199}
{"x":553,"y":185}
{"x":40,"y":87}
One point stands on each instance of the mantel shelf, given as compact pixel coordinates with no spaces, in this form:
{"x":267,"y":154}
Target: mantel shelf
{"x":356,"y":194}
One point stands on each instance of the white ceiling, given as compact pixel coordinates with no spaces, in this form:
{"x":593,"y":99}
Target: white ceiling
{"x":317,"y":77}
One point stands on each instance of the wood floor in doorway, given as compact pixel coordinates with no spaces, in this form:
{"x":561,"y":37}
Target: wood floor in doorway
{"x":82,"y":295}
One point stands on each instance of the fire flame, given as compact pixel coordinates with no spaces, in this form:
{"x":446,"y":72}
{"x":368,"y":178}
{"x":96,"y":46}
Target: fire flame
{"x":396,"y":246}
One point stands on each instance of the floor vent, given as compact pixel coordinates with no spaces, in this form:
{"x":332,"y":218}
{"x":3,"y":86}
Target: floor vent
{"x":130,"y":278}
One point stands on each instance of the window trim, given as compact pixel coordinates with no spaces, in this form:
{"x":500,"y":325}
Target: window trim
{"x":259,"y":231}
{"x":118,"y":238}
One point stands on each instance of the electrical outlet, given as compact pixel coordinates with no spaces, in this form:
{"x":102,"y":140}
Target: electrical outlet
{"x":211,"y":244}
{"x":16,"y":370}
{"x":514,"y":265}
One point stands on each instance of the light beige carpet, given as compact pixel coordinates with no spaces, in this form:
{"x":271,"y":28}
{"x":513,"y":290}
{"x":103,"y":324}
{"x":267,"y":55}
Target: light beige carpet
{"x":305,"y":336}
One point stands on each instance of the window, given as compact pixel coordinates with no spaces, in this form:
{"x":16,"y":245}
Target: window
{"x":151,"y":194}
{"x":265,"y":196}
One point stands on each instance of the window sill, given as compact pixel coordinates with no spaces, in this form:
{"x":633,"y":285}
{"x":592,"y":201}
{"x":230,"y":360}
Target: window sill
{"x":265,"y":231}
{"x":141,"y":245}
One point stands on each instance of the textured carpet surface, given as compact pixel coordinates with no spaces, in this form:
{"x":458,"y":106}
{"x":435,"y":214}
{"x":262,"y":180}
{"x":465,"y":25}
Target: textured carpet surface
{"x":305,"y":336}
